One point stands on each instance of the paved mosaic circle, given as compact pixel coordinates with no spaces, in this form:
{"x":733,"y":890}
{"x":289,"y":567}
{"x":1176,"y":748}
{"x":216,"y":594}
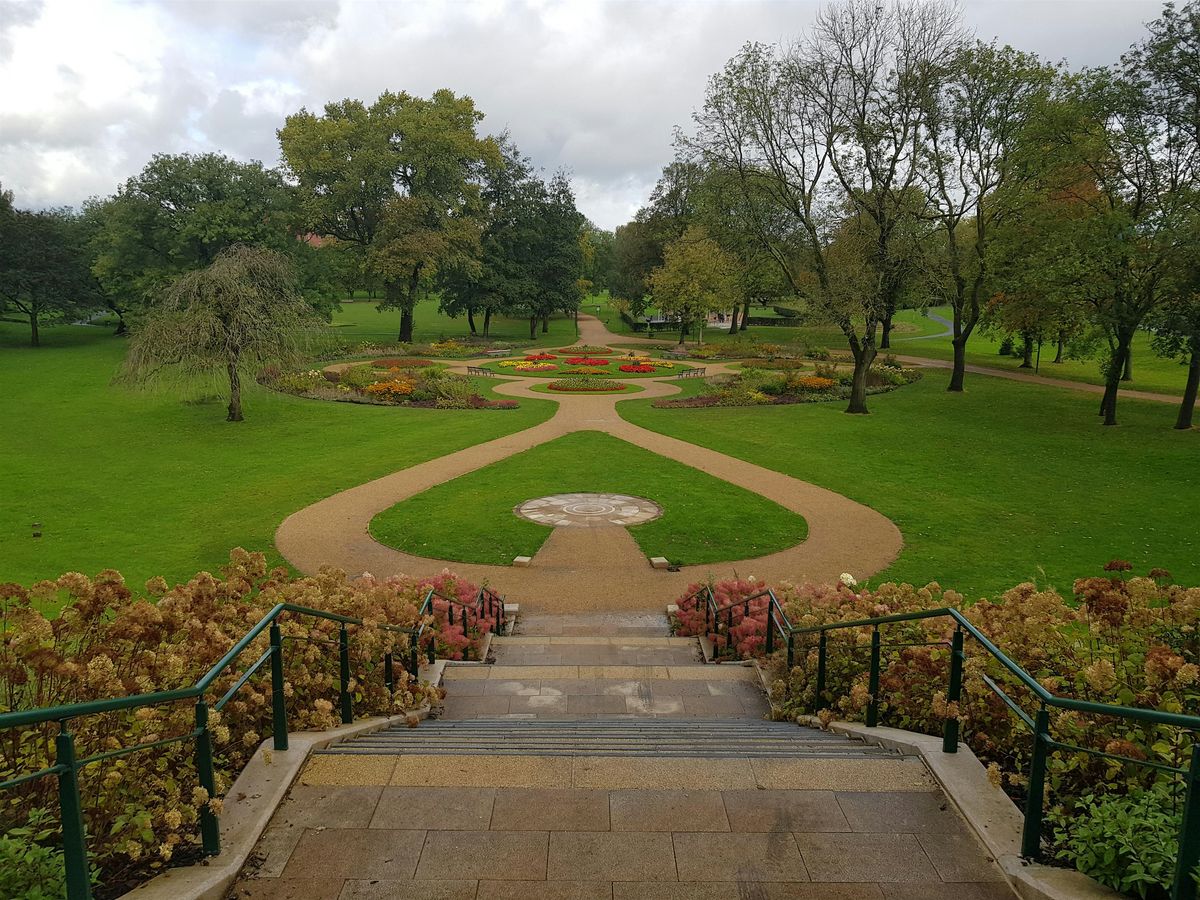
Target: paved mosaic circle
{"x":589,"y":510}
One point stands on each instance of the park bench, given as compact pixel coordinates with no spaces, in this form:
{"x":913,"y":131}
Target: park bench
{"x":483,"y":373}
{"x":691,"y":373}
{"x":505,"y":352}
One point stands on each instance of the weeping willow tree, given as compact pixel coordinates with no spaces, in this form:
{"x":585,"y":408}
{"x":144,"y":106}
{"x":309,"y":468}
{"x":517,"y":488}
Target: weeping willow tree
{"x":243,"y":311}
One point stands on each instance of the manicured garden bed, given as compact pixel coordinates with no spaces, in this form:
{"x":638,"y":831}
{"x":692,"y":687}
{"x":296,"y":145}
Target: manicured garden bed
{"x":470,"y":519}
{"x":557,"y":365}
{"x":575,"y":384}
{"x":387,"y":382}
{"x":754,"y":386}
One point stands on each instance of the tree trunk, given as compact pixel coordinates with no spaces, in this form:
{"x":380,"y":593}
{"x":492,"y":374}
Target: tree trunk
{"x":1127,"y":374}
{"x":733,"y":320}
{"x":471,"y":320}
{"x":958,"y":374}
{"x":35,"y":339}
{"x":863,"y":357}
{"x":533,"y":328}
{"x":122,"y":327}
{"x":487,"y":322}
{"x":1112,"y":379}
{"x":545,"y":324}
{"x":235,"y":388}
{"x":1062,"y":343}
{"x":885,"y":342}
{"x":1188,"y":408}
{"x":1027,"y":350}
{"x":682,"y":333}
{"x":745,"y":316}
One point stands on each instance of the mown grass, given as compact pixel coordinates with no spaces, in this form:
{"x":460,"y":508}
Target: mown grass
{"x":361,"y":320}
{"x":470,"y":519}
{"x":152,"y":485}
{"x":1004,"y":483}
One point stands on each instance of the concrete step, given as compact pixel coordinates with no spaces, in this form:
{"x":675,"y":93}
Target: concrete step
{"x":609,"y":736}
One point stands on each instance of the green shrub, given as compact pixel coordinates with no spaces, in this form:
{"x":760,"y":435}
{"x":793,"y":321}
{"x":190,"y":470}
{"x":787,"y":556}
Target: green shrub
{"x":360,"y":377}
{"x":1128,"y":843}
{"x":29,"y":867}
{"x":454,"y":392}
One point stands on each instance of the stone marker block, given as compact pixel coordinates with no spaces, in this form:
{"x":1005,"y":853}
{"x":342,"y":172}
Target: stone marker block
{"x":522,"y":562}
{"x":659,"y":562}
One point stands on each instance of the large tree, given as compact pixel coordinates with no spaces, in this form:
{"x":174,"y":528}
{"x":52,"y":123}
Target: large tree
{"x":177,"y":215}
{"x":827,"y":130}
{"x":44,"y":268}
{"x":974,"y":118}
{"x":697,"y":277}
{"x":399,"y":179}
{"x":240,"y":312}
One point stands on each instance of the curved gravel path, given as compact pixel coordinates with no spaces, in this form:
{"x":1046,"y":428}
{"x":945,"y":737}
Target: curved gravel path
{"x":593,"y":568}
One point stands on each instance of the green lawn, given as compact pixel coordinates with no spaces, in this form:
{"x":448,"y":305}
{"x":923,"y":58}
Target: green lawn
{"x":470,"y":519}
{"x":151,"y":485}
{"x":1150,"y":372}
{"x":1004,"y":483}
{"x":361,"y":321}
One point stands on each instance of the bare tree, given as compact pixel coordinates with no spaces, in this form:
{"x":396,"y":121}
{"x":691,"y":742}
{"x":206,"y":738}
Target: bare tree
{"x":243,"y":310}
{"x":828,"y":130}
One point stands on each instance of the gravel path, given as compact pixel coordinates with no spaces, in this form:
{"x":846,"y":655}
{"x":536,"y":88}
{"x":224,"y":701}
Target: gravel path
{"x":597,"y":568}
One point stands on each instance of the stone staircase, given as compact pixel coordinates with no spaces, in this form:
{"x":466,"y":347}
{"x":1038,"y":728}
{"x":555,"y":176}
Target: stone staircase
{"x":598,"y":758}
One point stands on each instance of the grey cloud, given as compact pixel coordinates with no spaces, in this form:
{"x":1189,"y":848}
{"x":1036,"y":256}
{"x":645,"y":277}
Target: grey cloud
{"x":256,"y":19}
{"x":13,"y":14}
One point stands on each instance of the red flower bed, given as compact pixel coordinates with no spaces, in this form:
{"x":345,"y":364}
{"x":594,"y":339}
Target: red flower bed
{"x":637,"y":367}
{"x":537,"y":357}
{"x":586,"y":361}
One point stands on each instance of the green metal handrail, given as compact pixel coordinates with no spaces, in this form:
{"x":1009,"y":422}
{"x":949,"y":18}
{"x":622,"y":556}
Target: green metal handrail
{"x":1184,"y":886}
{"x":66,"y":765}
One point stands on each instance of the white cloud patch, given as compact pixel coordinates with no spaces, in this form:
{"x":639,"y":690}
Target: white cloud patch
{"x":93,"y":88}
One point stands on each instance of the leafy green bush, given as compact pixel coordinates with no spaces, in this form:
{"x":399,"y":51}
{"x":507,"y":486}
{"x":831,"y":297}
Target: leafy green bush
{"x":30,"y":866}
{"x":1128,"y":843}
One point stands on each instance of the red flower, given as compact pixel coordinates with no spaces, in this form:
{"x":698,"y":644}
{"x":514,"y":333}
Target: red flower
{"x":586,"y":361}
{"x":537,"y":357}
{"x":637,"y":368}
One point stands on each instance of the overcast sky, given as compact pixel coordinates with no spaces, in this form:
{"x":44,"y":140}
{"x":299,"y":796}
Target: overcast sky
{"x":92,"y":88}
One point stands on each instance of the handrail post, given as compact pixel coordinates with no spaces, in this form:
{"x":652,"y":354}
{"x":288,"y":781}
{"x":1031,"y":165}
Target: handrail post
{"x":1031,"y":834}
{"x":344,"y":672}
{"x":729,"y":633}
{"x":279,"y":727}
{"x":414,"y":655}
{"x":873,"y":681}
{"x":1184,"y":886}
{"x":822,"y":652}
{"x":79,"y":879}
{"x":791,"y":650}
{"x":389,"y":676}
{"x":210,"y":832}
{"x":770,"y":637}
{"x":954,"y":694}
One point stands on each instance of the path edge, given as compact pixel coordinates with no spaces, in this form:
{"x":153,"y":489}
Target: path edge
{"x":989,"y":812}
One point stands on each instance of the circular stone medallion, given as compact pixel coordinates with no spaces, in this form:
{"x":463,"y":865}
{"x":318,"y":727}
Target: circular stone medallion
{"x":589,"y":510}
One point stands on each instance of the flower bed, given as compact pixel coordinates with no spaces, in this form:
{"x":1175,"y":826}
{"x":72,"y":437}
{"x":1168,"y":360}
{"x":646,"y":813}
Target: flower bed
{"x":142,"y":810}
{"x":427,"y":386}
{"x":587,"y":361}
{"x":637,"y":367}
{"x":536,"y":357}
{"x":1121,"y":640}
{"x":756,"y":386}
{"x":585,"y":385}
{"x":586,"y":350}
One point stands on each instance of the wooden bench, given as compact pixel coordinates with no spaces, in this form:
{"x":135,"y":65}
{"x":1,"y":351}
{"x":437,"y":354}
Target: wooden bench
{"x":691,"y":373}
{"x":483,"y":373}
{"x":505,"y":352}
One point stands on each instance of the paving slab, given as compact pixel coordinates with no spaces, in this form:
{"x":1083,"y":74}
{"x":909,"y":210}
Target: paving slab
{"x":484,"y":771}
{"x":287,"y":889}
{"x":865,"y":857}
{"x":616,"y":773}
{"x":841,"y":774}
{"x":544,"y":890}
{"x":361,"y":769}
{"x":497,"y":855}
{"x":362,"y":853}
{"x":440,"y":808}
{"x":658,"y":810}
{"x":551,"y":809}
{"x":606,"y":855}
{"x":909,"y":811}
{"x":409,"y":890}
{"x":763,"y":810}
{"x":738,"y":857}
{"x":959,"y":857}
{"x":968,"y":891}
